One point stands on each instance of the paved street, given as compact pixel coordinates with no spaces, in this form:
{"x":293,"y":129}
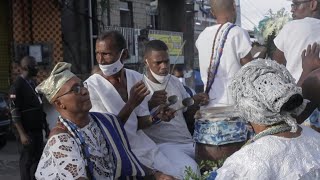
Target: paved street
{"x":9,"y":162}
{"x":9,"y":157}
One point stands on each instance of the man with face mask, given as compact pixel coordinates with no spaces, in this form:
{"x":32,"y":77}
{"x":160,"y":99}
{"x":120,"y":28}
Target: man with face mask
{"x":28,"y":117}
{"x":223,"y":49}
{"x":173,"y":138}
{"x":109,"y":93}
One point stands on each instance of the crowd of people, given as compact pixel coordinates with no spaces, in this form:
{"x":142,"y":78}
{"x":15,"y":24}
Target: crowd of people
{"x":121,"y":124}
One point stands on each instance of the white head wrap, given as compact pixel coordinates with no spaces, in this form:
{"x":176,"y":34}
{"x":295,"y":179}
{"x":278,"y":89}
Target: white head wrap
{"x":59,"y":76}
{"x":261,"y":88}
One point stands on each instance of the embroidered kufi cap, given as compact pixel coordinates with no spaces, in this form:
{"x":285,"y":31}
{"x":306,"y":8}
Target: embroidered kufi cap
{"x":261,"y":88}
{"x":59,"y":76}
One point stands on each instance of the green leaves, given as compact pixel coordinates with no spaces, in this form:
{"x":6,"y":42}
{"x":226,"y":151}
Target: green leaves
{"x":207,"y":165}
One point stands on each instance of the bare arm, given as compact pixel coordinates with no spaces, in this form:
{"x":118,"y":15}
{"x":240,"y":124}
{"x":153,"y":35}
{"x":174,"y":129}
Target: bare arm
{"x":82,"y":178}
{"x":246,"y":59}
{"x":189,"y":115}
{"x":155,"y":174}
{"x":310,"y":80}
{"x":137,"y":94}
{"x":125,"y":112}
{"x":16,"y":118}
{"x":310,"y":61}
{"x":278,"y":56}
{"x":144,"y":122}
{"x":311,"y":87}
{"x":24,"y":138}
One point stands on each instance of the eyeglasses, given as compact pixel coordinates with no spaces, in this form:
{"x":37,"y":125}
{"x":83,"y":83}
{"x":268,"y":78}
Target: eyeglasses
{"x":75,"y":89}
{"x":295,"y":5}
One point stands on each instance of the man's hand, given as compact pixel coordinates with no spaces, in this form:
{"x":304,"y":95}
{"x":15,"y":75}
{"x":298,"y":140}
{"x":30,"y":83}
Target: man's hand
{"x":310,"y":58}
{"x":201,"y":99}
{"x":162,"y":176}
{"x":157,"y":98}
{"x":137,"y":94}
{"x":165,"y":113}
{"x":25,"y":140}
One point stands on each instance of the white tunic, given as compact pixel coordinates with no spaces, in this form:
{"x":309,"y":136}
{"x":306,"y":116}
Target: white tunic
{"x":294,"y":37}
{"x":105,"y":98}
{"x":173,"y":138}
{"x":175,"y":131}
{"x":61,"y":158}
{"x":237,"y":46}
{"x":276,"y":158}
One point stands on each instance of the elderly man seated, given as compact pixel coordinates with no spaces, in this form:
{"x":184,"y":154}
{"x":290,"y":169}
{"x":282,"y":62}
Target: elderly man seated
{"x":84,"y":145}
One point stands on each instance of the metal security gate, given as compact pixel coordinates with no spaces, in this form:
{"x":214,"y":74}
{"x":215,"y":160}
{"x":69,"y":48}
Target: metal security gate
{"x":4,"y":46}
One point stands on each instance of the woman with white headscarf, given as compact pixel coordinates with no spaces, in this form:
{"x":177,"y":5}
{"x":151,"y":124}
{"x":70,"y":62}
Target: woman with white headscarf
{"x":266,"y":95}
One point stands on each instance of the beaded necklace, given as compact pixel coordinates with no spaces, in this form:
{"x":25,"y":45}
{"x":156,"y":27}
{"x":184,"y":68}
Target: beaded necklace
{"x":77,"y":134}
{"x":270,"y":131}
{"x":216,"y":54}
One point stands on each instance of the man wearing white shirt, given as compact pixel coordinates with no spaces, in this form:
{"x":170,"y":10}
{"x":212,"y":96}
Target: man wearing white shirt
{"x":236,"y":52}
{"x":173,"y":138}
{"x":110,"y":91}
{"x":296,"y":35}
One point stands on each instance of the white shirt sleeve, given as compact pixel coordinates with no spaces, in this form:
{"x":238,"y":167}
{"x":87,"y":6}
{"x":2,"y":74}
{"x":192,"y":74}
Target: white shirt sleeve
{"x":142,"y":109}
{"x":279,"y":40}
{"x":242,"y":43}
{"x":61,"y":159}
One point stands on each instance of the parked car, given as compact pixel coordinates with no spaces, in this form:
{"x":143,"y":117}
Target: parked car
{"x":4,"y":118}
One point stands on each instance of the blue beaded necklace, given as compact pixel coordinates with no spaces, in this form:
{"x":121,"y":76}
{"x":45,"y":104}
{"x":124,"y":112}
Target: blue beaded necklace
{"x":217,"y":54}
{"x":78,"y":136}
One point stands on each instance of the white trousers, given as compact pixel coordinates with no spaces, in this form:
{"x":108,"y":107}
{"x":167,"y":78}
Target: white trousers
{"x":182,"y":156}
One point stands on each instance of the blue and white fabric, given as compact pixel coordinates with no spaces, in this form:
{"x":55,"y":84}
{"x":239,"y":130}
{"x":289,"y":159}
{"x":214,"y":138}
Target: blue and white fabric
{"x":220,"y":132}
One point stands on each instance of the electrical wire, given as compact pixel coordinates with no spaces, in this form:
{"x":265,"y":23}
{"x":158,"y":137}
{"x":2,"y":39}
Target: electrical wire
{"x":252,"y":17}
{"x":258,"y":11}
{"x":248,"y":19}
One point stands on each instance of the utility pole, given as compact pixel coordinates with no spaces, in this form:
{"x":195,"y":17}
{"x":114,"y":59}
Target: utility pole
{"x":188,"y":35}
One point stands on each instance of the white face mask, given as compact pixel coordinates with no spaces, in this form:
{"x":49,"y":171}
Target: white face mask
{"x":111,"y":69}
{"x":160,"y":79}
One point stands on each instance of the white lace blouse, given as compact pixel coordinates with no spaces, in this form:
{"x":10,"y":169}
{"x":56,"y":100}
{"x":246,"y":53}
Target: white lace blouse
{"x":61,"y":158}
{"x":276,"y":158}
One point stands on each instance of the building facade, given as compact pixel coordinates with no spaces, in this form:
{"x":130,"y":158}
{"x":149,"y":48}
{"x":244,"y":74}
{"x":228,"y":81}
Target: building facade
{"x":55,"y":31}
{"x":29,"y":28}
